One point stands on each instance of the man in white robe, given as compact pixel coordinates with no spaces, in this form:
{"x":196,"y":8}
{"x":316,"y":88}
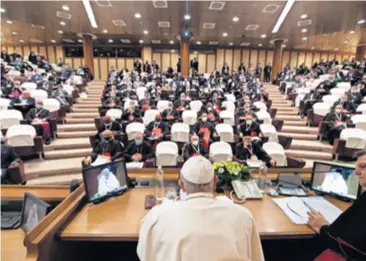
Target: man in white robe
{"x":334,"y":182}
{"x":107,"y":182}
{"x":201,"y":228}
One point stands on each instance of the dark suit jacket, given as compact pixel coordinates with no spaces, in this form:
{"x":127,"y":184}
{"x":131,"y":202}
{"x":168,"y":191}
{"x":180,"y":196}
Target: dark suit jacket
{"x":115,"y":148}
{"x":356,"y":98}
{"x":40,"y":113}
{"x":254,"y":127}
{"x":147,"y":68}
{"x":30,"y":101}
{"x":8,"y":155}
{"x":188,"y":150}
{"x":166,"y":112}
{"x":196,"y":127}
{"x":332,"y":118}
{"x":312,"y":96}
{"x":162,"y":125}
{"x":145,"y":149}
{"x":244,"y":153}
{"x":227,"y":68}
{"x":179,"y":103}
{"x":347,"y":105}
{"x":267,"y":69}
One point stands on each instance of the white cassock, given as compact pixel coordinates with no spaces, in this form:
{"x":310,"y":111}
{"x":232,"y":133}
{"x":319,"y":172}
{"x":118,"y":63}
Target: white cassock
{"x":199,"y":229}
{"x":334,"y":182}
{"x":32,"y":218}
{"x":301,"y":92}
{"x":107,"y":182}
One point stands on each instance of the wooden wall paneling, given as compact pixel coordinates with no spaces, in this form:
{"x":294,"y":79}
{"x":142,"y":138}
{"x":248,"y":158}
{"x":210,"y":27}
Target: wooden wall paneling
{"x":210,"y":63}
{"x":308,"y":59}
{"x":59,"y":53}
{"x":103,"y":62}
{"x":121,"y":63}
{"x":174,"y":60}
{"x":112,"y":62}
{"x":51,"y":54}
{"x":129,"y":64}
{"x":34,"y":48}
{"x":10,"y":49}
{"x":26,"y":51}
{"x":229,"y":58}
{"x":220,"y":59}
{"x":68,"y":60}
{"x":96,"y":69}
{"x":43,"y":51}
{"x":254,"y":57}
{"x":301,"y":59}
{"x":270,"y":57}
{"x":237,"y":59}
{"x":18,"y":48}
{"x":339,"y":57}
{"x":345,"y":57}
{"x":262,"y":60}
{"x":293,"y":62}
{"x":324,"y":56}
{"x":147,"y":54}
{"x":77,"y":62}
{"x":165,"y":63}
{"x":202,"y":63}
{"x":316,"y":58}
{"x":285,"y":58}
{"x":245,"y":57}
{"x":157,"y":58}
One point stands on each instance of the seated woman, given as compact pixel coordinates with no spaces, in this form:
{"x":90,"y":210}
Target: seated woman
{"x":347,"y":234}
{"x":194,"y":148}
{"x":139,"y":150}
{"x":39,"y":117}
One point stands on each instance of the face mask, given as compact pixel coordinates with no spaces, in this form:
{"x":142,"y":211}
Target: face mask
{"x":108,"y":138}
{"x":39,"y":106}
{"x":338,"y":111}
{"x":107,"y":122}
{"x":204,"y":119}
{"x":138,"y":142}
{"x":249,"y":122}
{"x":157,"y":120}
{"x":209,"y":109}
{"x":195,"y":142}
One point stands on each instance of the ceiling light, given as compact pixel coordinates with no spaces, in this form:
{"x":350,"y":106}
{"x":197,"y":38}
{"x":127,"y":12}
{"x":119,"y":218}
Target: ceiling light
{"x":62,"y":23}
{"x":304,"y":16}
{"x":224,"y":34}
{"x":171,"y":42}
{"x":263,"y":36}
{"x":335,"y":49}
{"x":260,"y":45}
{"x":283,"y":15}
{"x":110,"y":41}
{"x":172,"y":51}
{"x":53,"y":41}
{"x":345,"y":41}
{"x":141,"y":41}
{"x":65,"y":7}
{"x":2,"y":10}
{"x":146,"y":32}
{"x":235,"y":19}
{"x":89,"y":12}
{"x":361,"y":21}
{"x":9,"y":22}
{"x":14,"y":33}
{"x":60,"y":32}
{"x":195,"y":52}
{"x":21,"y":41}
{"x":80,"y":41}
{"x":351,"y":32}
{"x":231,"y":44}
{"x":284,"y":46}
{"x":137,"y":15}
{"x":312,"y":48}
{"x":304,"y":30}
{"x":198,"y":42}
{"x":304,"y":38}
{"x":105,"y":31}
{"x":187,"y":17}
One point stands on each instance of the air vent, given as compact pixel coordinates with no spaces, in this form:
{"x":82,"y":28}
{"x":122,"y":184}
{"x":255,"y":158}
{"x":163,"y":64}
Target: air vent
{"x":252,"y":27}
{"x":38,"y":26}
{"x":216,"y":5}
{"x":68,"y":40}
{"x":213,"y":43}
{"x":160,"y":4}
{"x":119,"y":22}
{"x":63,"y":15}
{"x":156,"y":41}
{"x":35,"y":41}
{"x":270,"y":9}
{"x":164,"y":24}
{"x":304,"y":23}
{"x":208,"y":25}
{"x":103,"y":3}
{"x":244,"y":44}
{"x":126,"y":41}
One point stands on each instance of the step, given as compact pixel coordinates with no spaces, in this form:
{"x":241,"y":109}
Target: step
{"x":287,"y":108}
{"x":64,"y":180}
{"x":74,"y":115}
{"x":76,"y":127}
{"x":294,"y":123}
{"x":42,"y":168}
{"x":68,"y":153}
{"x":92,"y":110}
{"x":290,"y":118}
{"x":300,"y":129}
{"x":278,"y":102}
{"x":299,"y":136}
{"x":88,"y":105}
{"x":90,"y":100}
{"x":280,"y":112}
{"x":62,"y":144}
{"x":75,"y":134}
{"x":311,"y":146}
{"x":79,"y":120}
{"x":302,"y":154}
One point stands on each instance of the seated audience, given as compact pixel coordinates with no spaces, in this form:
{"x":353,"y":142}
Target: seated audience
{"x":23,"y":103}
{"x":348,"y":106}
{"x":157,"y":130}
{"x":337,"y":122}
{"x":309,"y":100}
{"x":249,"y":127}
{"x":139,"y":150}
{"x":205,"y":130}
{"x":39,"y":117}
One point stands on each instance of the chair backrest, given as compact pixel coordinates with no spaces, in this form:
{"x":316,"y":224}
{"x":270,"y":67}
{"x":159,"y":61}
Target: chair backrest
{"x":330,"y":98}
{"x":227,"y":117}
{"x":225,"y":132}
{"x":221,"y":151}
{"x":9,"y":118}
{"x":324,"y":77}
{"x":133,"y":128}
{"x":68,"y":88}
{"x":189,"y":117}
{"x":355,"y":138}
{"x":229,"y":105}
{"x":361,"y":108}
{"x":51,"y":105}
{"x":4,"y":103}
{"x":29,"y":86}
{"x":180,"y":132}
{"x":344,"y":85}
{"x":195,"y":105}
{"x":21,"y":135}
{"x":166,"y":153}
{"x":163,"y":105}
{"x":140,"y":91}
{"x":39,"y":95}
{"x":321,"y":108}
{"x":260,"y":105}
{"x":264,"y":116}
{"x":277,"y":153}
{"x":114,"y":113}
{"x":360,"y":121}
{"x":149,"y":116}
{"x":269,"y":131}
{"x":337,"y":92}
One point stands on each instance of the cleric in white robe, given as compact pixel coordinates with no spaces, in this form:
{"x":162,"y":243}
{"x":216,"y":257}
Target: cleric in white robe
{"x":107,"y":182}
{"x":200,"y":228}
{"x":32,"y":218}
{"x":334,"y":182}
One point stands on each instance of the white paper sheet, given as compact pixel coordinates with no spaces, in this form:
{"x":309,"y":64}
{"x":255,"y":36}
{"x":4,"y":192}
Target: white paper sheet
{"x":134,"y":165}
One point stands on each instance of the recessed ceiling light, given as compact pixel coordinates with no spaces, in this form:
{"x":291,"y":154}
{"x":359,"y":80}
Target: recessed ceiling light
{"x":60,"y":32}
{"x":187,"y":17}
{"x":137,"y":15}
{"x":105,"y":31}
{"x":141,"y":41}
{"x":198,"y":42}
{"x":284,"y":46}
{"x":110,"y":41}
{"x":304,"y":16}
{"x":260,"y":45}
{"x":335,"y":49}
{"x":361,"y":21}
{"x":312,"y":48}
{"x":62,"y":23}
{"x":304,"y":38}
{"x":235,"y":19}
{"x":304,"y":30}
{"x":80,"y":41}
{"x":345,"y":41}
{"x":21,"y":41}
{"x":195,"y":52}
{"x":172,"y":50}
{"x":53,"y":41}
{"x":65,"y":7}
{"x":14,"y":33}
{"x":171,"y":42}
{"x":2,"y":10}
{"x":224,"y":34}
{"x":263,"y":36}
{"x":351,"y":32}
{"x":9,"y":22}
{"x":146,"y":32}
{"x":231,"y":44}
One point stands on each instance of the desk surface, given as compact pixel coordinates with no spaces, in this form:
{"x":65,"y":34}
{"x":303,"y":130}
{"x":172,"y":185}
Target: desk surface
{"x":47,"y":193}
{"x":118,"y":219}
{"x":12,"y":247}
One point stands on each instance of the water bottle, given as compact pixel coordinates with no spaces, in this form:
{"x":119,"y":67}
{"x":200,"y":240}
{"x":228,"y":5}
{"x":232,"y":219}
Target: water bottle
{"x":262,"y":176}
{"x":159,"y":185}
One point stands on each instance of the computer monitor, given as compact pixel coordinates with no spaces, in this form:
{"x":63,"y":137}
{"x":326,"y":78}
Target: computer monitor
{"x":105,"y":180}
{"x":34,"y":209}
{"x":335,"y":179}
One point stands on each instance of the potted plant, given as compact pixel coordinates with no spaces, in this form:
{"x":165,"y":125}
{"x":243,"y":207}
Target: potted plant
{"x":227,"y":171}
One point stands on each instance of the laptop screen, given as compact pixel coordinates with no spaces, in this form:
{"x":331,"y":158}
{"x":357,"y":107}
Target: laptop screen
{"x":34,"y":209}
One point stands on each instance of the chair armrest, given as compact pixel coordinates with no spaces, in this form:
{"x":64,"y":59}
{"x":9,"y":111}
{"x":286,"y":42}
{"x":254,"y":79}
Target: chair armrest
{"x":92,"y":140}
{"x":180,"y":161}
{"x":269,"y":104}
{"x":338,"y":145}
{"x":285,"y":141}
{"x":272,"y":112}
{"x":278,"y":124}
{"x":98,"y":122}
{"x":38,"y":144}
{"x":310,"y":117}
{"x":295,"y":162}
{"x":53,"y":123}
{"x":17,"y":174}
{"x":150,"y":163}
{"x":75,"y":94}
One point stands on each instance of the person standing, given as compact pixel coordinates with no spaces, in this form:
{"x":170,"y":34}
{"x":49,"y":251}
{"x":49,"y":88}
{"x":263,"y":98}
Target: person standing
{"x":137,"y":66}
{"x":178,"y":65}
{"x":267,"y":72}
{"x":258,"y":71}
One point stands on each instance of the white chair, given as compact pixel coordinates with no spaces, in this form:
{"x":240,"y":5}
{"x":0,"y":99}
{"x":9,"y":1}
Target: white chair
{"x":355,"y":138}
{"x":9,"y":118}
{"x":269,"y":131}
{"x":21,"y":135}
{"x":337,"y":92}
{"x":324,"y":77}
{"x":68,"y":88}
{"x":264,"y":116}
{"x":166,"y":154}
{"x":29,"y":86}
{"x":260,"y":105}
{"x":13,"y":73}
{"x":227,"y":117}
{"x":221,"y":151}
{"x":189,"y":117}
{"x":360,"y":121}
{"x":229,"y":105}
{"x":361,"y":108}
{"x":4,"y":103}
{"x":163,"y":105}
{"x":180,"y":132}
{"x":39,"y":95}
{"x":133,"y":128}
{"x":195,"y":105}
{"x":51,"y":105}
{"x":322,"y":108}
{"x":149,"y":116}
{"x":140,"y":91}
{"x":78,"y":80}
{"x":330,"y":98}
{"x":230,"y":97}
{"x":225,"y":132}
{"x":276,"y":152}
{"x":344,"y":85}
{"x":114,"y":114}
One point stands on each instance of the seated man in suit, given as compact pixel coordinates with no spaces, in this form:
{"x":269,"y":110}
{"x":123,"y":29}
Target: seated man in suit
{"x":9,"y":159}
{"x":355,"y":96}
{"x":157,"y":130}
{"x":170,"y":115}
{"x":181,"y":103}
{"x":348,"y":106}
{"x":249,"y":127}
{"x":194,"y":148}
{"x":246,"y":110}
{"x":108,"y":124}
{"x":132,"y":113}
{"x":309,"y":100}
{"x":139,"y":150}
{"x":146,"y":103}
{"x":211,"y":112}
{"x":39,"y":117}
{"x":205,"y":130}
{"x":108,"y":149}
{"x":337,"y":121}
{"x":23,"y":103}
{"x":247,"y":149}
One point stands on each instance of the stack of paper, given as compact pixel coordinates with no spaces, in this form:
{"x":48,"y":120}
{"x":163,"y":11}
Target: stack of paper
{"x":134,"y":165}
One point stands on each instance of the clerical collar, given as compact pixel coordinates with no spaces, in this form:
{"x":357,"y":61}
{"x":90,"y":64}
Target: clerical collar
{"x":199,"y":195}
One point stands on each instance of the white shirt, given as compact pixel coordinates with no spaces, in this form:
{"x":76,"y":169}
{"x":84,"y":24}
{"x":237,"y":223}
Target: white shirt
{"x":199,"y":229}
{"x":107,"y":182}
{"x":334,"y":182}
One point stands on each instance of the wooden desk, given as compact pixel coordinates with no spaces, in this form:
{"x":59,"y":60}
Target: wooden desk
{"x":47,"y":193}
{"x":12,"y":247}
{"x":118,"y":219}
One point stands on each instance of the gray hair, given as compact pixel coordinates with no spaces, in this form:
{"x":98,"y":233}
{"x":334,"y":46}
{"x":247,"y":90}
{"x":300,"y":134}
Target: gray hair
{"x":190,"y":187}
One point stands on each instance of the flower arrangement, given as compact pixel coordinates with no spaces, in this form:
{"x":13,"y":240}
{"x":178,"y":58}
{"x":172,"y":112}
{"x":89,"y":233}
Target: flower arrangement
{"x":227,"y":171}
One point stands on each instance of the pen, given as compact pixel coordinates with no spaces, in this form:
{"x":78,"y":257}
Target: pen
{"x":308,"y":206}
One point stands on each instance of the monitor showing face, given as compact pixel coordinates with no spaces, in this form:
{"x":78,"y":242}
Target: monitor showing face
{"x":34,"y":209}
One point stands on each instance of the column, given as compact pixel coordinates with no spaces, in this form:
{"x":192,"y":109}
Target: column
{"x":360,"y":52}
{"x":277,"y":57}
{"x":184,"y":56}
{"x":88,"y":52}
